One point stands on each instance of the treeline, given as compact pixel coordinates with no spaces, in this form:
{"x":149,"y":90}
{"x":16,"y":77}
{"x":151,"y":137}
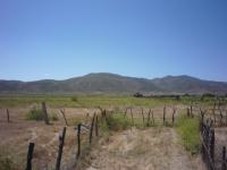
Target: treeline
{"x":201,"y":97}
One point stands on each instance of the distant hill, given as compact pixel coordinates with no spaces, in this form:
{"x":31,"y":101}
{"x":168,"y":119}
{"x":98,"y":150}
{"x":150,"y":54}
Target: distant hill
{"x":112,"y":83}
{"x":187,"y":84}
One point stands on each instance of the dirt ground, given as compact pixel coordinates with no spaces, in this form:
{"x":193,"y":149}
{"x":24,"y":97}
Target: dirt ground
{"x":153,"y":149}
{"x":16,"y":135}
{"x":150,"y":149}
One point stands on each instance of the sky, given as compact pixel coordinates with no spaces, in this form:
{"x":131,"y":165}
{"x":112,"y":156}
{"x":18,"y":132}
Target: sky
{"x":53,"y":39}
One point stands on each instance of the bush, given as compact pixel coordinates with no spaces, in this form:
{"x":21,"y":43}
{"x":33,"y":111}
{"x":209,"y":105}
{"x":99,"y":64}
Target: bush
{"x":35,"y":114}
{"x":118,"y":122}
{"x":74,"y":99}
{"x":188,"y":129}
{"x":54,"y":117}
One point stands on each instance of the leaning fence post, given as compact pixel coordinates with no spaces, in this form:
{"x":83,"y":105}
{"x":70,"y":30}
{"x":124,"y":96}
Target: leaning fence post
{"x":164,"y":115}
{"x":132,"y":116}
{"x":221,"y":117}
{"x":143,"y":116}
{"x":202,"y":114}
{"x":61,"y":145}
{"x":97,"y":126}
{"x":46,"y":119}
{"x":30,"y":156}
{"x":91,"y":129}
{"x":78,"y":140}
{"x":224,"y":158}
{"x":191,"y":111}
{"x":126,"y":110}
{"x":148,"y":118}
{"x":7,"y":113}
{"x":212,"y":143}
{"x":152,"y":116}
{"x":188,"y":112}
{"x":173,"y":116}
{"x":63,"y":114}
{"x":203,"y":133}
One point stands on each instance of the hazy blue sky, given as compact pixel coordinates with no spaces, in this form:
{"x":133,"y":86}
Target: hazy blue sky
{"x":145,"y":38}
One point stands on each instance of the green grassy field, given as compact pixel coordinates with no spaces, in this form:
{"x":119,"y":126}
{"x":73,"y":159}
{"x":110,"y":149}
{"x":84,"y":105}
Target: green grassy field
{"x":81,"y":101}
{"x":92,"y":100}
{"x":188,"y":129}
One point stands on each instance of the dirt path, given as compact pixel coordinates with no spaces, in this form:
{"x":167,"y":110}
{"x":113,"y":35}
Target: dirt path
{"x":151,"y":149}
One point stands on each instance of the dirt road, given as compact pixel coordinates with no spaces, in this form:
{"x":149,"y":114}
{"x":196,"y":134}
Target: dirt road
{"x":150,"y":149}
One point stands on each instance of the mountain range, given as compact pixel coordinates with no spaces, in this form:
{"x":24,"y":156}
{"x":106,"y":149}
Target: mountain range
{"x":96,"y":83}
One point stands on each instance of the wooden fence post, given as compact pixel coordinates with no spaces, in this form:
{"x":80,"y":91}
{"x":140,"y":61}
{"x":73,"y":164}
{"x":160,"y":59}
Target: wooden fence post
{"x":105,"y":116}
{"x":97,"y":126}
{"x":45,"y":114}
{"x":173,"y":116}
{"x":212,"y":144}
{"x":148,"y":118}
{"x":152,"y":117}
{"x":203,"y":135}
{"x":7,"y":113}
{"x":91,"y":129}
{"x":164,"y":115}
{"x":224,"y":158}
{"x":203,"y":151}
{"x":191,"y":111}
{"x":30,"y":156}
{"x":188,"y":112}
{"x":63,"y":114}
{"x":221,"y":118}
{"x":132,"y":116}
{"x":126,"y":110}
{"x":78,"y":140}
{"x":143,"y":116}
{"x":61,"y":145}
{"x":202,"y":114}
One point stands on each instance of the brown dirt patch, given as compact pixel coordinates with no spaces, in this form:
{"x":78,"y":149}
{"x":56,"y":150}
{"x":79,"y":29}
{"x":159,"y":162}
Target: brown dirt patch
{"x":151,"y":149}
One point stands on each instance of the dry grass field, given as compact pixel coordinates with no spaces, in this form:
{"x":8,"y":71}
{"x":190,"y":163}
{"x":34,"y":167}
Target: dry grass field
{"x":135,"y":147}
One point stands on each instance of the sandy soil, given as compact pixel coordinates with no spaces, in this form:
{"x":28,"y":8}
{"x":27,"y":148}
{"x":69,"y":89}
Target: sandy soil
{"x":151,"y":149}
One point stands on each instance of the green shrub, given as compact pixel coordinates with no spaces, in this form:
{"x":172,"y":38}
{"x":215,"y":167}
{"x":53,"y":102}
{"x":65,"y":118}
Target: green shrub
{"x":188,"y":129}
{"x":118,"y":122}
{"x":54,"y":117}
{"x":35,"y":114}
{"x":74,"y":99}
